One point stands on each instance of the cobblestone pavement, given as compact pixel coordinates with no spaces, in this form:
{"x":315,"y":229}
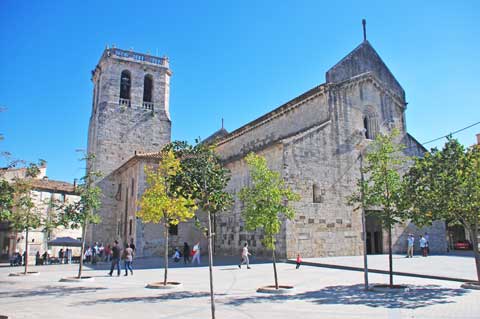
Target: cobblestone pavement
{"x":318,"y":293}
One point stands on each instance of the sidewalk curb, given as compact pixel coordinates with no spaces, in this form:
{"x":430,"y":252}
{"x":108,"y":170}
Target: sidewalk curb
{"x":379,"y":271}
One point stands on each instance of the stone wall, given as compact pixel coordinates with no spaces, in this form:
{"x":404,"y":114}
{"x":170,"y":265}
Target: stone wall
{"x":119,"y":129}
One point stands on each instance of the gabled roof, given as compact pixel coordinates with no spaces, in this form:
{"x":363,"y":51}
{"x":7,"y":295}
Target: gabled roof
{"x":363,"y":59}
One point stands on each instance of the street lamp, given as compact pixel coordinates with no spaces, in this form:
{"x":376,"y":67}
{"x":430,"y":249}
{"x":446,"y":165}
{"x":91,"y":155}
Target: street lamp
{"x":362,"y":147}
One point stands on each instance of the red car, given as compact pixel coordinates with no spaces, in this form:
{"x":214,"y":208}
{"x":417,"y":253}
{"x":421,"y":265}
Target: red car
{"x":463,"y":245}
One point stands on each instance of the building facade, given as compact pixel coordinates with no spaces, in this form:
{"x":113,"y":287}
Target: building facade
{"x":314,"y":141}
{"x":130,"y":113}
{"x":44,"y":194}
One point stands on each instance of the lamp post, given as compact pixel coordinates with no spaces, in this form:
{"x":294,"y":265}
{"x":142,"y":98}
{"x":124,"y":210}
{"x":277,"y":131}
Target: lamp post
{"x":364,"y":226}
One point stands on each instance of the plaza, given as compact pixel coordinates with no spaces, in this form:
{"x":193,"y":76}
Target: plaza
{"x":318,"y":292}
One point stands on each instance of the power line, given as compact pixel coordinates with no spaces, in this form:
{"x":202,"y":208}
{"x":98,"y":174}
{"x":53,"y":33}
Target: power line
{"x":457,"y":131}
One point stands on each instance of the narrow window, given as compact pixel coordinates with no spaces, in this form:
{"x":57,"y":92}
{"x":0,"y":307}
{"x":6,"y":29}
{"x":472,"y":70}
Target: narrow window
{"x":125,"y":83}
{"x":130,"y":227}
{"x":118,"y":196}
{"x":133,"y":185}
{"x":318,"y":194}
{"x":173,"y":229}
{"x":147,"y":88}
{"x":366,"y":127}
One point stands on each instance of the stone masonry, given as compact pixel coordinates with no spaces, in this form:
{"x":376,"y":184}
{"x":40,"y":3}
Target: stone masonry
{"x":119,"y":127}
{"x":314,"y":141}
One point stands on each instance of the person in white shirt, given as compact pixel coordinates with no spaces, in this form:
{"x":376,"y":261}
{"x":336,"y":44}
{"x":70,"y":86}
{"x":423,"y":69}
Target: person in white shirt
{"x":245,"y":255}
{"x":196,"y":255}
{"x":423,"y":246}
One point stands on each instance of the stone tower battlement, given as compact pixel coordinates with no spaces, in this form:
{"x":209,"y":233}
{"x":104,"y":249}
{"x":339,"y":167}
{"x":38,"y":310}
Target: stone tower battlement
{"x":130,"y":108}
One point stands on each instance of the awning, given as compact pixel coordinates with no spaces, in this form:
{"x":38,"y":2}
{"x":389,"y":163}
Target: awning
{"x":65,"y":241}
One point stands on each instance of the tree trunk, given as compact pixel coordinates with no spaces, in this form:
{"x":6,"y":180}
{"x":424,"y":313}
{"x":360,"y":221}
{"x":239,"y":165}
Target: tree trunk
{"x":275,"y":268}
{"x":166,"y":255}
{"x":390,"y":261}
{"x":474,"y":235}
{"x":82,"y":250}
{"x":26,"y":251}
{"x":210,"y":263}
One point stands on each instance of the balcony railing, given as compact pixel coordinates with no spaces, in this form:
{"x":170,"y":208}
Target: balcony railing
{"x":138,"y":56}
{"x":124,"y":102}
{"x":148,"y":105}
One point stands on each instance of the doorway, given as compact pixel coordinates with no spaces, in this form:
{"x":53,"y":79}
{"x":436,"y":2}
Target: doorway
{"x":374,"y":235}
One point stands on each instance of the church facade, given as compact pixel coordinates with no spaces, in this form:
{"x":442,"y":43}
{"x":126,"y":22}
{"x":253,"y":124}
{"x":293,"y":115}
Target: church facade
{"x":314,"y":141}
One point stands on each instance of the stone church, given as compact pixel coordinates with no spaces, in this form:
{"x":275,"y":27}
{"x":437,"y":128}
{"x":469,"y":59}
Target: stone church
{"x":314,"y":141}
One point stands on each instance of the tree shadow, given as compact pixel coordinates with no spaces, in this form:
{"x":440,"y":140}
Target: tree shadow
{"x":57,"y":291}
{"x":416,"y":297}
{"x":177,"y":295}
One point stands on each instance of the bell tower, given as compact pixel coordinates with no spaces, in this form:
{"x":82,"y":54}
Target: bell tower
{"x":130,"y":108}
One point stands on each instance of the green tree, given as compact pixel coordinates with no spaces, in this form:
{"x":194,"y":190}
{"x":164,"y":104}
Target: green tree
{"x":18,"y":207}
{"x":266,"y":203}
{"x":82,"y":213}
{"x":204,"y":179}
{"x":382,"y":186}
{"x":445,"y":185}
{"x":163,"y":201}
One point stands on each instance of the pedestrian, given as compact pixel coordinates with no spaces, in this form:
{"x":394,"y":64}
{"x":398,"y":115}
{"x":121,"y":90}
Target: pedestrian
{"x":69,"y":255}
{"x":427,"y":238}
{"x":128,"y":257}
{"x":299,"y":261}
{"x":88,"y":254}
{"x":245,"y":255}
{"x":60,"y":256}
{"x":176,"y":255}
{"x":410,"y":242}
{"x":108,"y":253}
{"x":132,"y":245}
{"x":186,"y":253}
{"x":94,"y":253}
{"x":423,"y":246}
{"x":196,"y":253}
{"x":37,"y":258}
{"x":115,"y":259}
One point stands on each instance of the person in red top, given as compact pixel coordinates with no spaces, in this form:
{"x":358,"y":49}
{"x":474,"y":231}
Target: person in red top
{"x":299,"y":261}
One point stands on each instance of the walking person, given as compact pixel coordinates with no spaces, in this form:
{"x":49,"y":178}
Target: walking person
{"x":69,"y":255}
{"x":410,"y":242}
{"x":128,"y":256}
{"x":115,"y":259}
{"x":423,"y":246}
{"x":299,"y":261}
{"x":186,"y":253}
{"x":245,"y":255}
{"x":427,"y":238}
{"x":196,"y":253}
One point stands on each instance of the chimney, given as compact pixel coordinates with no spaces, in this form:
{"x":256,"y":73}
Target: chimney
{"x":74,"y":184}
{"x":478,"y":139}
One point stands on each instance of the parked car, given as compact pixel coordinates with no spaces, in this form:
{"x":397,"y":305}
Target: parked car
{"x":463,"y":245}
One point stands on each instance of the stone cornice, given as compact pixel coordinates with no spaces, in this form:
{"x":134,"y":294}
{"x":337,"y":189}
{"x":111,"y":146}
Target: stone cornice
{"x":369,"y":77}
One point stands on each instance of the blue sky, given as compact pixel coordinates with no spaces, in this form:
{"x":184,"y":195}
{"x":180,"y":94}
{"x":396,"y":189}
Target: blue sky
{"x":230,"y":59}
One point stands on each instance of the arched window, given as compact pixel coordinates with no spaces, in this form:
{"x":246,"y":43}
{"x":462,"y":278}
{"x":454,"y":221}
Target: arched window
{"x":125,"y":84}
{"x":370,"y":126}
{"x":366,"y":127}
{"x":147,"y":88}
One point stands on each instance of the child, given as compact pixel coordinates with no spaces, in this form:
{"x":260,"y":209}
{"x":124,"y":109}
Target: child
{"x":176,"y":255}
{"x":299,"y":261}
